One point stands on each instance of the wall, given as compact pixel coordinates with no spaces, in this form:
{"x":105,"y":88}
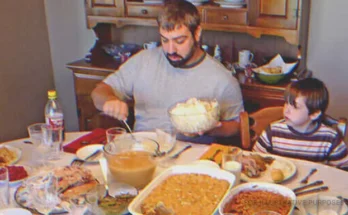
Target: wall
{"x":25,"y":66}
{"x":69,"y":40}
{"x":327,"y":51}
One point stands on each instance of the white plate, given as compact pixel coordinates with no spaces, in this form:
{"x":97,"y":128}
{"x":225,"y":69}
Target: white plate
{"x":327,"y":204}
{"x":288,"y":168}
{"x":226,"y":4}
{"x":14,"y":211}
{"x":153,"y":136}
{"x":86,"y":151}
{"x":17,"y":151}
{"x":134,"y":207}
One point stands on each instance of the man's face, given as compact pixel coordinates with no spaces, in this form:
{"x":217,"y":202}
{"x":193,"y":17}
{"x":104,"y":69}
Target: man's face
{"x":297,"y":115}
{"x":179,"y":46}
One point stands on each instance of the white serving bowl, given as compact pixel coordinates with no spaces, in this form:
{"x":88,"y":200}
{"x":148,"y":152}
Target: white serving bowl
{"x":255,"y":186}
{"x":325,"y":203}
{"x":195,"y":115}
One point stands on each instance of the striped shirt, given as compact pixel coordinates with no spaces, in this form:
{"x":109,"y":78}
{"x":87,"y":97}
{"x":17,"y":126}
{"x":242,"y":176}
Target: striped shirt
{"x":323,"y":144}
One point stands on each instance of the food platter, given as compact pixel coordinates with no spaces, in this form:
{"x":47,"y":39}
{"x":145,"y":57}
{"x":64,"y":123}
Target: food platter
{"x":16,"y":152}
{"x":285,"y":165}
{"x":68,"y":177}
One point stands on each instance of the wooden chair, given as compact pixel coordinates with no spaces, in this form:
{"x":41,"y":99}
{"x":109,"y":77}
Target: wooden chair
{"x":252,"y":125}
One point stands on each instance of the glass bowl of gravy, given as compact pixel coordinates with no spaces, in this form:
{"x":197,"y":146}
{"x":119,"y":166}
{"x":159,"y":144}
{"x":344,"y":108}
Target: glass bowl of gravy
{"x":131,"y":159}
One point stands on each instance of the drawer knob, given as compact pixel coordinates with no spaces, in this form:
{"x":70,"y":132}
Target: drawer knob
{"x":144,"y":11}
{"x":224,"y":17}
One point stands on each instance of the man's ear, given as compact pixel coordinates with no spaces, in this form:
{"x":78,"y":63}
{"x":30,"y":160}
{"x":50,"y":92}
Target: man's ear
{"x":314,"y":116}
{"x":198,"y":33}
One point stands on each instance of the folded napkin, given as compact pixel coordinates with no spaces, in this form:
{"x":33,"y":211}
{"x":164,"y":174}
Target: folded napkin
{"x":97,"y":136}
{"x":212,"y":151}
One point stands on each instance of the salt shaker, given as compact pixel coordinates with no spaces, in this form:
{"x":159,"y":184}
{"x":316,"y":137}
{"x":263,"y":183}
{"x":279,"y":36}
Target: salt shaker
{"x":217,"y":53}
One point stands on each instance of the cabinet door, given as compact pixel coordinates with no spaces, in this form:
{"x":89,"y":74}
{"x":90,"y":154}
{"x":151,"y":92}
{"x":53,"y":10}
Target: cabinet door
{"x":109,"y":8}
{"x":274,"y":13}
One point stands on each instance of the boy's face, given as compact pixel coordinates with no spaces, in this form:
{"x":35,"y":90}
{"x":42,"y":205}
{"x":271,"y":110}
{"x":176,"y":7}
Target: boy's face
{"x":297,"y":115}
{"x":179,"y":45}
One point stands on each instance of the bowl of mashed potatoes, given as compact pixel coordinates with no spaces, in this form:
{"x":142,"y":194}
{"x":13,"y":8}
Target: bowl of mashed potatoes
{"x":195,"y":115}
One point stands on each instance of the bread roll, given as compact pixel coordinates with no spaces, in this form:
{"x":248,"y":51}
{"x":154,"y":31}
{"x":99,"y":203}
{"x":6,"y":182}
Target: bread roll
{"x":277,"y":175}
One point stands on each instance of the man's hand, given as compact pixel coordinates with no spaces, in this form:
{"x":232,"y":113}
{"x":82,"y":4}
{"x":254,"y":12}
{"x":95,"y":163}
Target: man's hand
{"x":116,"y":108}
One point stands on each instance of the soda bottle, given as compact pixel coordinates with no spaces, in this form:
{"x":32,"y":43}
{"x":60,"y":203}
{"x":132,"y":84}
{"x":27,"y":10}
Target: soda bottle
{"x":54,"y":111}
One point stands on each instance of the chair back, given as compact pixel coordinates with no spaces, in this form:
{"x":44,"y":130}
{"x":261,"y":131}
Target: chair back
{"x":252,"y":125}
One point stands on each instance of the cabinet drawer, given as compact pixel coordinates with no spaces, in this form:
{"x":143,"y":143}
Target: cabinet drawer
{"x":143,"y":11}
{"x":226,"y":16}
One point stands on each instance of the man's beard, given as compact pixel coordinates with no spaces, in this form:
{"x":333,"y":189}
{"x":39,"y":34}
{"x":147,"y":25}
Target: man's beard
{"x":183,"y":60}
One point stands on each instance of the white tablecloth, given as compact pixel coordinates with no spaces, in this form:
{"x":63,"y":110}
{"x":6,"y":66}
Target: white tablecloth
{"x":335,"y":179}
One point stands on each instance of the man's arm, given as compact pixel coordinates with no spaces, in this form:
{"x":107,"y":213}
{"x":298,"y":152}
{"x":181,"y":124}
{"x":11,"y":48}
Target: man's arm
{"x":105,"y":100}
{"x":225,"y":129}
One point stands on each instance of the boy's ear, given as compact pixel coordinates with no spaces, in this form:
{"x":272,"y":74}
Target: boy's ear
{"x":314,"y":116}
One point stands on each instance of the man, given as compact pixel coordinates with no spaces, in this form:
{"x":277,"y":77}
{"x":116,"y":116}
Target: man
{"x":159,"y":78}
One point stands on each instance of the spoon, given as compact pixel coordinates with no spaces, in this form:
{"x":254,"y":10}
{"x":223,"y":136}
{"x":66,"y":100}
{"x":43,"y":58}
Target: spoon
{"x":305,"y":180}
{"x":130,"y":130}
{"x":103,"y":165}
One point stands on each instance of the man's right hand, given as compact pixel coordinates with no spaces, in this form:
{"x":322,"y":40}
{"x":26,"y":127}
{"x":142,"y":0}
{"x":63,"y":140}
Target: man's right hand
{"x":116,"y":108}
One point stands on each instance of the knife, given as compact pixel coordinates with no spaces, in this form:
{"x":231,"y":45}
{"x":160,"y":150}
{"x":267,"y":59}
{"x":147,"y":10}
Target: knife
{"x":316,"y":183}
{"x":93,"y":155}
{"x":319,"y":189}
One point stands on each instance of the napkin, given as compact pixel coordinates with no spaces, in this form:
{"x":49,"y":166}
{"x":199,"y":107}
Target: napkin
{"x":97,"y":136}
{"x":211,"y":151}
{"x":277,"y":61}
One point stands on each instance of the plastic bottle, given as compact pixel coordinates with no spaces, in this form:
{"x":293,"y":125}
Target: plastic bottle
{"x":54,"y":111}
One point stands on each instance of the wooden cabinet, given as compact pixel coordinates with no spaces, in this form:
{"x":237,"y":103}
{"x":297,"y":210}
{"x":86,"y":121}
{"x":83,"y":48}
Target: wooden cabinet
{"x":86,"y":77}
{"x":259,"y":17}
{"x":274,"y":13}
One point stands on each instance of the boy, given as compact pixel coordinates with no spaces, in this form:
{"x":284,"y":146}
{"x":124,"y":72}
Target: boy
{"x":301,"y":134}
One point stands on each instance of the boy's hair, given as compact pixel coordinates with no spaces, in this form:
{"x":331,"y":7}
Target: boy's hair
{"x":315,"y":92}
{"x":177,"y":13}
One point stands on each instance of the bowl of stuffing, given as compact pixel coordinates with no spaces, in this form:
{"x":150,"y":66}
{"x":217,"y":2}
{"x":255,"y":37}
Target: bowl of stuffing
{"x":195,"y":115}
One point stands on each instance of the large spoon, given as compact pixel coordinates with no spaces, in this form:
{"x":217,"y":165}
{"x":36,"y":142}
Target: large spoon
{"x":103,"y":166}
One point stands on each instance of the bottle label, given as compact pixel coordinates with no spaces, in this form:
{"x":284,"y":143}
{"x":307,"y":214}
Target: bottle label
{"x":55,"y":122}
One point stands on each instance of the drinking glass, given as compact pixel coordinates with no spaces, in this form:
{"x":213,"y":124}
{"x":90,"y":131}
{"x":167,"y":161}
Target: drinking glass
{"x":35,"y":133}
{"x":232,"y":162}
{"x":114,"y":133}
{"x":43,"y":192}
{"x":4,"y":188}
{"x":52,"y":138}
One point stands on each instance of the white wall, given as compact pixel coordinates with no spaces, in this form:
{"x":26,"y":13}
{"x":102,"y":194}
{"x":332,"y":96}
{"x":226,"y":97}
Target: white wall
{"x":70,"y":40}
{"x":328,"y":50}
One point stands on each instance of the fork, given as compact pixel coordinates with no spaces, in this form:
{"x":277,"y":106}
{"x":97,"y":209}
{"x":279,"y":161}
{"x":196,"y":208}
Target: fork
{"x":175,"y":156}
{"x":305,"y":180}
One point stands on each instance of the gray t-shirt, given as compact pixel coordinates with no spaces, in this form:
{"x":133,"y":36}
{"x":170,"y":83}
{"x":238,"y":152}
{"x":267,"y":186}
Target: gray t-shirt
{"x":155,"y":86}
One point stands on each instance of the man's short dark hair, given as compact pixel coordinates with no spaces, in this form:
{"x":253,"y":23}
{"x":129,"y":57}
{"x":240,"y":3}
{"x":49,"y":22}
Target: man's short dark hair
{"x":315,"y":92}
{"x":178,"y":13}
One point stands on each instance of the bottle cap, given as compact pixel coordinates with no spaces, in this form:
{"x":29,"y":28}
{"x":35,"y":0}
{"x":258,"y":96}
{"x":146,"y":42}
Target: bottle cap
{"x":52,"y":94}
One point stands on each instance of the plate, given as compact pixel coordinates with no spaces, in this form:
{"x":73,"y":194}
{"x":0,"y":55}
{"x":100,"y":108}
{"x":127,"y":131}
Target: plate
{"x":153,"y":136}
{"x":71,"y":176}
{"x":226,"y":4}
{"x":16,"y":211}
{"x":288,"y":168}
{"x":17,"y":151}
{"x":135,"y":206}
{"x":86,"y":151}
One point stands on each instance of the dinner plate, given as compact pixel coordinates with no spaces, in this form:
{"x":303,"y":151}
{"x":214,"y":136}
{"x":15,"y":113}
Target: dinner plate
{"x":17,"y":151}
{"x":16,"y":211}
{"x":86,"y":151}
{"x":288,"y":168}
{"x":152,"y":135}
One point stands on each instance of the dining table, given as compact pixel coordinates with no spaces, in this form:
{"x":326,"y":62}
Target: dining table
{"x":332,"y":177}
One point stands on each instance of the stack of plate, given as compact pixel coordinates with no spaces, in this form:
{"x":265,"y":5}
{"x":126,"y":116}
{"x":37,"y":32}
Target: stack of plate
{"x":153,"y":1}
{"x":198,"y":2}
{"x":231,"y":3}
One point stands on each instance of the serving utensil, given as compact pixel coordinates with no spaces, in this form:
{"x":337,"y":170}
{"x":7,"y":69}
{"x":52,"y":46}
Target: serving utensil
{"x":103,"y":166}
{"x":315,"y":190}
{"x":79,"y":162}
{"x":305,"y":179}
{"x":176,"y":155}
{"x":316,"y":183}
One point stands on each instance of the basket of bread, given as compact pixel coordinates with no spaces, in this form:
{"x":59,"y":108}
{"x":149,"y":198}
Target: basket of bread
{"x":274,"y":71}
